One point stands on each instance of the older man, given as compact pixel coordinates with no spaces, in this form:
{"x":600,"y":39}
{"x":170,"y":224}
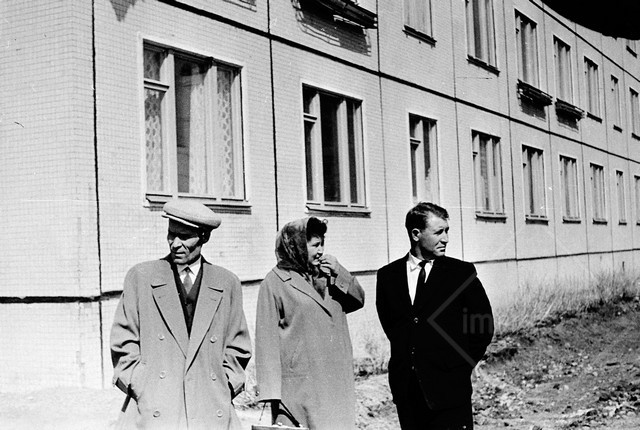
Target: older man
{"x":438,"y":319}
{"x":179,"y":341}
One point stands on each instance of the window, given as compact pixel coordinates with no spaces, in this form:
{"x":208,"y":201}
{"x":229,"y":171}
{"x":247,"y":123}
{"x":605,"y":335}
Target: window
{"x":569,"y":182}
{"x":333,"y":149}
{"x":597,"y":188}
{"x":487,"y":165}
{"x":635,"y":112}
{"x":424,"y":159}
{"x":631,"y":46}
{"x":193,"y":129}
{"x":417,"y":16}
{"x":617,"y":102}
{"x":622,"y":201}
{"x":637,"y":185}
{"x":481,"y":40}
{"x":533,"y":175}
{"x":527,"y":48}
{"x":592,"y":87}
{"x":564,"y":81}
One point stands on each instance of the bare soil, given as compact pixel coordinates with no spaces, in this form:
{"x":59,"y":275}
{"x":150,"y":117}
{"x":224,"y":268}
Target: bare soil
{"x":578,"y":371}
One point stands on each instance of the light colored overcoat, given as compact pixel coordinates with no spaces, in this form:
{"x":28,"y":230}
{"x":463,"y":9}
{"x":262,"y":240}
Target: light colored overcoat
{"x":179,"y":381}
{"x":303,"y":349}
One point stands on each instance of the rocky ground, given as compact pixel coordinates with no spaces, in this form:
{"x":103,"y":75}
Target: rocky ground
{"x":572,"y":372}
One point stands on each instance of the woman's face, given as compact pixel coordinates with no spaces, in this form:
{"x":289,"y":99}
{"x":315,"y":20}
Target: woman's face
{"x":315,"y":249}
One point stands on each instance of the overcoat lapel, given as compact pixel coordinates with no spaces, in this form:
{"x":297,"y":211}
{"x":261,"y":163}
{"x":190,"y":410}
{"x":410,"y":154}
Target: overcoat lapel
{"x":401,"y":275}
{"x":295,"y":280}
{"x":211,"y":293}
{"x":166,"y":297}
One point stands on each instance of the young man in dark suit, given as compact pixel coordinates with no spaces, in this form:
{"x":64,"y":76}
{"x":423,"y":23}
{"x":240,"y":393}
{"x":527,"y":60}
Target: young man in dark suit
{"x":438,"y":319}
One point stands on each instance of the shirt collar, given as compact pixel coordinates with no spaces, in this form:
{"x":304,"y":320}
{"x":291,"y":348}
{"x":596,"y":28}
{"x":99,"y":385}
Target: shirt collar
{"x":414,"y":262}
{"x":194,"y":267}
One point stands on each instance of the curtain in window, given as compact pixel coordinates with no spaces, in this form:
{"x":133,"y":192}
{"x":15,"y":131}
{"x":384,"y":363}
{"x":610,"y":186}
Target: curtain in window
{"x":225,"y":133}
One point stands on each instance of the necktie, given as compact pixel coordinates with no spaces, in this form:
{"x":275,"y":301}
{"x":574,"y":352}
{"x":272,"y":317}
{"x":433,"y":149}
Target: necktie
{"x":187,"y":280}
{"x":422,"y":276}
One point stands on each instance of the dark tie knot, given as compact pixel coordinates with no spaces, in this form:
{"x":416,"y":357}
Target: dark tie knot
{"x":423,"y":263}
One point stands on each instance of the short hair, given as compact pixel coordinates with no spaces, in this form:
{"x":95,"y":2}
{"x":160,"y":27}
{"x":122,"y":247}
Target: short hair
{"x":419,"y":214}
{"x":315,"y":227}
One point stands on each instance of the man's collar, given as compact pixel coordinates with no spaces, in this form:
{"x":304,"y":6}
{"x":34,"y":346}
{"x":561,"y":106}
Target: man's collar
{"x":194,"y":267}
{"x":414,"y":262}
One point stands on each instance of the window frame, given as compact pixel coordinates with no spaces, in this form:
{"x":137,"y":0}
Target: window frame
{"x":489,"y":191}
{"x":621,"y":197}
{"x":169,"y":128}
{"x":617,"y":100}
{"x":480,"y":22}
{"x":592,"y":87}
{"x":315,"y":189}
{"x":634,"y":99}
{"x":570,"y":189}
{"x":598,"y":193}
{"x":528,"y":58}
{"x":533,"y":183}
{"x":425,"y":31}
{"x":563,"y":70}
{"x":637,"y":196}
{"x":427,"y":135}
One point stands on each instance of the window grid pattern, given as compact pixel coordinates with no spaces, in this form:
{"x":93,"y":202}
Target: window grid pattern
{"x":417,"y":16}
{"x":564,"y":81}
{"x":622,"y":200}
{"x":598,"y":193}
{"x":487,"y":163}
{"x":424,"y":159}
{"x":481,"y":43}
{"x":570,"y":193}
{"x":592,"y":87}
{"x":333,"y":149}
{"x":527,"y":48}
{"x":534,"y":189}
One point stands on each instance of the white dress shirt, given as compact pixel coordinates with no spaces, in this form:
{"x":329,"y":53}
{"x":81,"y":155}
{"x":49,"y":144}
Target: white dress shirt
{"x":194,"y":269}
{"x":413,"y":271}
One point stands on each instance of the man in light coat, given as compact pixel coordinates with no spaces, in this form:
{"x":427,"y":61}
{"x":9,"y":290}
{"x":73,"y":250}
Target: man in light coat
{"x":179,"y":341}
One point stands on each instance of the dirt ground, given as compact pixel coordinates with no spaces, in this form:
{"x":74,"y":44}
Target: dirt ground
{"x":575,"y":372}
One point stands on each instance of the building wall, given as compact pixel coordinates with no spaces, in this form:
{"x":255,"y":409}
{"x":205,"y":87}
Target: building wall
{"x":58,"y":136}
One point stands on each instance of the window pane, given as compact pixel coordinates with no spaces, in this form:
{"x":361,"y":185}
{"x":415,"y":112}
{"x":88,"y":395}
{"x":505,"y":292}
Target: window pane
{"x":190,"y":128}
{"x":330,"y":147}
{"x":352,"y":148}
{"x":152,"y":64}
{"x":154,"y":142}
{"x":484,"y":175}
{"x":308,"y":150}
{"x":226,"y":133}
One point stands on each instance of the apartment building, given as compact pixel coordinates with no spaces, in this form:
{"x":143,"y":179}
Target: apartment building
{"x":523,"y":124}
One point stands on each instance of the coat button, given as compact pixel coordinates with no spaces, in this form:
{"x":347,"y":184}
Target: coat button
{"x":160,"y":336}
{"x":213,"y":376}
{"x":163,"y":374}
{"x":415,"y":320}
{"x":219,"y":413}
{"x":213,"y":339}
{"x":156,"y":413}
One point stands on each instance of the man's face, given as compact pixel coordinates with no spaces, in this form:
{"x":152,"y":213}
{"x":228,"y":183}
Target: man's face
{"x":431,"y":242}
{"x":185,"y":243}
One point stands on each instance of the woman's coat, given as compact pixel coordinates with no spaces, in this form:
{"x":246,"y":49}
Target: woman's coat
{"x":303,"y":349}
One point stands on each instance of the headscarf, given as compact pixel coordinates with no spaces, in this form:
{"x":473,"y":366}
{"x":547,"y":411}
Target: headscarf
{"x":291,"y":245}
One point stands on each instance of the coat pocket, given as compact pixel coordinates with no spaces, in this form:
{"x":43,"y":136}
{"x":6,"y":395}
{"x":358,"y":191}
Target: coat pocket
{"x":138,"y":380}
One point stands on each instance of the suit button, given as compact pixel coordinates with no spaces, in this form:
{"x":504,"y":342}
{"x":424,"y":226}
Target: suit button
{"x":160,"y":336}
{"x":213,"y":339}
{"x":415,"y":320}
{"x":156,"y":413}
{"x":213,"y":376}
{"x":219,"y":413}
{"x":163,"y":374}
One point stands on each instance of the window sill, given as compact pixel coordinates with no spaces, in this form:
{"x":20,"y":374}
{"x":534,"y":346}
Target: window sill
{"x":533,"y":94}
{"x":571,"y":220}
{"x":617,"y":128}
{"x":632,"y":52}
{"x":635,"y":136}
{"x":419,"y":35}
{"x":536,"y":219}
{"x":600,"y":221}
{"x":622,"y":222}
{"x":594,"y":117}
{"x":156,"y":201}
{"x":480,"y":63}
{"x":569,"y":110}
{"x":486,"y":216}
{"x":337,"y":210}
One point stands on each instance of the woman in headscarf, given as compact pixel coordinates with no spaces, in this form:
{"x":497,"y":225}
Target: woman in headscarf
{"x":304,"y":359}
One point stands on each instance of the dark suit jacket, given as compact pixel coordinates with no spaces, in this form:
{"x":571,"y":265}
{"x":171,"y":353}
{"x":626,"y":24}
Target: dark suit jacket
{"x":441,"y":337}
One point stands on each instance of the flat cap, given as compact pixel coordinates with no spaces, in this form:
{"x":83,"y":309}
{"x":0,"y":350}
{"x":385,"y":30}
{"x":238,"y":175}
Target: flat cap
{"x":191,"y":213}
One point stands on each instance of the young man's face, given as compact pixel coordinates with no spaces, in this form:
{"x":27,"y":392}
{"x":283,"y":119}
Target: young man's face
{"x":185,"y":243}
{"x":431,"y":242}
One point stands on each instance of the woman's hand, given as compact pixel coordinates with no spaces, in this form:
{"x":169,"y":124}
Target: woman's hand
{"x":329,"y":265}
